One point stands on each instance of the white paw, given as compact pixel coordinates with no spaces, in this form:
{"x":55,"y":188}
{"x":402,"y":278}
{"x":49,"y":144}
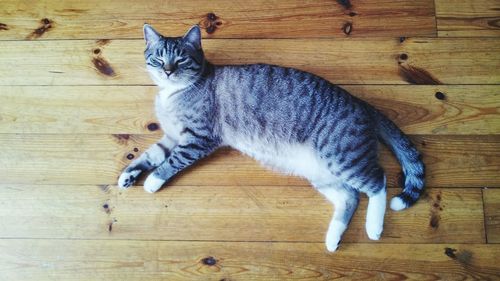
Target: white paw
{"x":334,"y":235}
{"x":374,"y":229}
{"x":126,"y":179}
{"x":153,"y":183}
{"x":332,"y":243}
{"x":397,"y":204}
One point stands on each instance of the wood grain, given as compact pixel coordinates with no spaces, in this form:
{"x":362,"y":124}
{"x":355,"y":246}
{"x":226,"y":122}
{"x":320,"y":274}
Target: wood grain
{"x":471,"y":18}
{"x":95,"y":19}
{"x":77,"y":109}
{"x":451,"y":161}
{"x":491,"y":199}
{"x":208,"y":213}
{"x":124,"y":109}
{"x":162,"y":260}
{"x":342,"y":61}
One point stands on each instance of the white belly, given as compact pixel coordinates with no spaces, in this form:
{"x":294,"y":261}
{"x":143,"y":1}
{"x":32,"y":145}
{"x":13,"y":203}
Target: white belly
{"x":295,"y":159}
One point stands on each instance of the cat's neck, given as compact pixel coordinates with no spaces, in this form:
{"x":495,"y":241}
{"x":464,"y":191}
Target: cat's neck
{"x":169,"y":89}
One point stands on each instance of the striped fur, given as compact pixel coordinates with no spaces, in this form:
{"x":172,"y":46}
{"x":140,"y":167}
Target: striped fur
{"x":287,"y":119}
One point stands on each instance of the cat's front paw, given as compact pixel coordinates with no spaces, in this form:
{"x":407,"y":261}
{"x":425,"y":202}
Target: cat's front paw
{"x":153,"y":183}
{"x":127,"y":179}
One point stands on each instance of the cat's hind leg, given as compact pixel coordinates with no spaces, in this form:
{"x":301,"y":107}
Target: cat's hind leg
{"x":345,"y":201}
{"x":375,"y":214}
{"x":372,"y":182}
{"x":377,"y":200}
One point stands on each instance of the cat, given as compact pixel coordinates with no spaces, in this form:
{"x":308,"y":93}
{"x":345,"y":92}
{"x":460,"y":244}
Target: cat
{"x":287,"y":119}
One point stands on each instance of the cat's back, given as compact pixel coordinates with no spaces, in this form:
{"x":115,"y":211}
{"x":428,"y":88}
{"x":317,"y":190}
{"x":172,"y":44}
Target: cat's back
{"x":263,"y":91}
{"x":276,"y":81}
{"x":279,"y":99}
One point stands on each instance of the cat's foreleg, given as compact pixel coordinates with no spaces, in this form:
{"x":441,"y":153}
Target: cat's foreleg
{"x":181,"y":157}
{"x":345,"y":202}
{"x":150,"y":159}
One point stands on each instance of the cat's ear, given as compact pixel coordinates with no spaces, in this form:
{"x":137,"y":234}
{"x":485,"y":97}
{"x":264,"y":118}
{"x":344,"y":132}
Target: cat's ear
{"x":193,"y":37}
{"x":150,"y":35}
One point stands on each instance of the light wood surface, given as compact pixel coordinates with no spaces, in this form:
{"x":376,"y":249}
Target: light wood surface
{"x":95,"y":19}
{"x":76,"y":101}
{"x":164,"y":260}
{"x":470,"y":18}
{"x":492,"y":214}
{"x":263,"y":213}
{"x":342,"y":61}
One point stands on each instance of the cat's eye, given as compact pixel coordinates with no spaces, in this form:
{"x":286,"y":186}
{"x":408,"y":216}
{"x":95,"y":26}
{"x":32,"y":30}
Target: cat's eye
{"x":181,"y":61}
{"x":155,"y":63}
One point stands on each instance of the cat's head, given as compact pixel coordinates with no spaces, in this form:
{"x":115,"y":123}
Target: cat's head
{"x":174,"y":61}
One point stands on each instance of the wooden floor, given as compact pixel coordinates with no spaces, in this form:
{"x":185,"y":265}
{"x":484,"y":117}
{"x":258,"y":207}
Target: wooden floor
{"x":76,"y":107}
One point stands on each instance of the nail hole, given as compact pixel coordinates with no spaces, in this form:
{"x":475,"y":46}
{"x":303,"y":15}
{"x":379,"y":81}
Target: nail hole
{"x":403,"y":56}
{"x":153,"y":127}
{"x":347,"y":28}
{"x":440,"y":96}
{"x":211,"y":16}
{"x":209,"y":261}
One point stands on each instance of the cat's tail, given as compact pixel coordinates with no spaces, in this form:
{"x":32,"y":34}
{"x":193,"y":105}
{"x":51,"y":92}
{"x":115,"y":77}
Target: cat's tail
{"x":409,"y":157}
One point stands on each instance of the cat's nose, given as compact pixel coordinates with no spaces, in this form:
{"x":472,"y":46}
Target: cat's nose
{"x":169,"y":69}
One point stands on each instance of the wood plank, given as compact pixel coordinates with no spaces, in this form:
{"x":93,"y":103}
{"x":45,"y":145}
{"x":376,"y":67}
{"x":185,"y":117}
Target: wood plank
{"x":95,"y":19}
{"x":491,"y":199}
{"x":123,"y":109}
{"x":161,"y":260}
{"x":451,"y":161}
{"x":418,"y":110}
{"x":77,"y":109}
{"x":343,"y":61}
{"x":213,"y":213}
{"x":468,"y":18}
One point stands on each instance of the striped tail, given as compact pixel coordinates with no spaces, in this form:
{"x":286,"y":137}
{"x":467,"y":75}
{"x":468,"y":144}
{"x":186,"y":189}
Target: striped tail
{"x":409,"y":157}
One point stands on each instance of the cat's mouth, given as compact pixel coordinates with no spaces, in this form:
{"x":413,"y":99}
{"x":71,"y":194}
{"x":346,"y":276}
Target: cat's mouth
{"x":171,"y":76}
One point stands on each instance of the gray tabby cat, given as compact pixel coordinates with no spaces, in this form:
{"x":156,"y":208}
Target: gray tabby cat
{"x":287,"y":119}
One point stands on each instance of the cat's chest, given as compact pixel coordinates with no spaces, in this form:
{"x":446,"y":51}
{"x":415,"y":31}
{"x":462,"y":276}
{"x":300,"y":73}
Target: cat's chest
{"x":169,"y":116}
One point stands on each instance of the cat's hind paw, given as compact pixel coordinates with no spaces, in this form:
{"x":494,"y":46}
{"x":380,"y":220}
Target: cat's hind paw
{"x":127,"y":179}
{"x":374,"y":229}
{"x":332,"y":243}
